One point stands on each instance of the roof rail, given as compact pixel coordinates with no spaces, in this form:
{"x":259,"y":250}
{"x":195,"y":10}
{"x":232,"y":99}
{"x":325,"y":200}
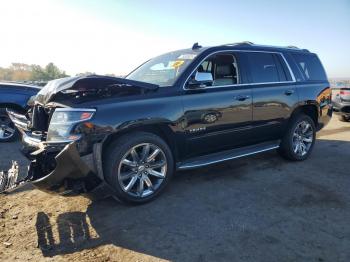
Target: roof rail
{"x":295,"y":47}
{"x":244,"y":43}
{"x":248,"y":43}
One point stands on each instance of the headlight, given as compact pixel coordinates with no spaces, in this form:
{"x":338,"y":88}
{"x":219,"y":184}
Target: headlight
{"x":64,"y":120}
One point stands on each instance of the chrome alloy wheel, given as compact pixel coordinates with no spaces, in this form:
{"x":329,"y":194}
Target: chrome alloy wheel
{"x":7,"y":128}
{"x":142,"y":170}
{"x":302,"y":138}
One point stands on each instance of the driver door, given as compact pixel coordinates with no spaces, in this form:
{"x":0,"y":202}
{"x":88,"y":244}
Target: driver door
{"x":218,"y":116}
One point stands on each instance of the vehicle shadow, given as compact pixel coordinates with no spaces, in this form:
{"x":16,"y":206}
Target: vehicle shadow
{"x":73,"y":234}
{"x":133,"y":227}
{"x":228,"y":212}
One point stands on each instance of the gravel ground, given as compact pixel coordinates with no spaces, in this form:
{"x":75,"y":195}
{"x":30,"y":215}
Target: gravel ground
{"x":260,"y":208}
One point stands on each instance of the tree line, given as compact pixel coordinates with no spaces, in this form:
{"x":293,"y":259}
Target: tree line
{"x":25,"y":72}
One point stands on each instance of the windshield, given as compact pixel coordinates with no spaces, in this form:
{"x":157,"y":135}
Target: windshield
{"x":163,"y":70}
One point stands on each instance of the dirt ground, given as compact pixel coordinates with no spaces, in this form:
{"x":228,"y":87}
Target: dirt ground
{"x":259,"y":208}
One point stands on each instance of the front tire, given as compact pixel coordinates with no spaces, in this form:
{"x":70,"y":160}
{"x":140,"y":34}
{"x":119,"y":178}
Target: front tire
{"x":299,"y":139}
{"x":138,"y":166}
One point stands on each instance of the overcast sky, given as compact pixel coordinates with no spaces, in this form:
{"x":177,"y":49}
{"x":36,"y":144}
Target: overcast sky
{"x":116,"y":36}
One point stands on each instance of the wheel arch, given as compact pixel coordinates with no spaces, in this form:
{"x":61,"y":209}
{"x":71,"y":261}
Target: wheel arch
{"x":310,"y":109}
{"x":161,"y":129}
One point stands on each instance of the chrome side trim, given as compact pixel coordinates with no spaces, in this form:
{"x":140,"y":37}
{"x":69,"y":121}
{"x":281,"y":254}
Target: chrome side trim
{"x":19,"y":116}
{"x":19,"y":123}
{"x":248,"y":84}
{"x":228,"y":158}
{"x":37,"y":143}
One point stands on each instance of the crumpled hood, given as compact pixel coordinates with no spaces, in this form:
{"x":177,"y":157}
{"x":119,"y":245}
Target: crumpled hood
{"x":90,"y":82}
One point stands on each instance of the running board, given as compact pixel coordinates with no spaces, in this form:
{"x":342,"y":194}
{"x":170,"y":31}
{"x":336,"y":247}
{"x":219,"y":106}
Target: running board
{"x":228,"y":155}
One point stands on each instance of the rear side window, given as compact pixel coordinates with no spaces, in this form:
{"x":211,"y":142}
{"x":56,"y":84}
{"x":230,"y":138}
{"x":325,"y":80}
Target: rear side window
{"x":310,"y":66}
{"x":263,"y":67}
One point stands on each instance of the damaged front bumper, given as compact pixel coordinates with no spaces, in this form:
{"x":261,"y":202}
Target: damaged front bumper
{"x":68,"y":167}
{"x":56,"y":168}
{"x":57,"y":171}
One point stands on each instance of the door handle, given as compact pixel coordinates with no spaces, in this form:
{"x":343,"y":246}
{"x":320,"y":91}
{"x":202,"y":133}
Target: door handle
{"x":242,"y":97}
{"x":288,"y":92}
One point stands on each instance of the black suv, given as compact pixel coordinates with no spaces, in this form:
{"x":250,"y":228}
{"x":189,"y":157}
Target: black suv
{"x":181,"y":110}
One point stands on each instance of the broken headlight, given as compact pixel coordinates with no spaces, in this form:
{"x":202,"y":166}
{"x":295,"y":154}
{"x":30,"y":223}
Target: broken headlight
{"x":63,"y":122}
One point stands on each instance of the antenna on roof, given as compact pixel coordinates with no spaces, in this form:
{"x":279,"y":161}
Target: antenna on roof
{"x":196,"y":46}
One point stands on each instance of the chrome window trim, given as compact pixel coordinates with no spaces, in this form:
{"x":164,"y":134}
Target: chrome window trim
{"x":288,"y":66}
{"x":248,"y":84}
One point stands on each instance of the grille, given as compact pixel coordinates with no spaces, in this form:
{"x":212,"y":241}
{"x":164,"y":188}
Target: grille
{"x":39,"y":118}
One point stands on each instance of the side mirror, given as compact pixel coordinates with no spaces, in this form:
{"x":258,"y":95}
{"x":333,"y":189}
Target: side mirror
{"x":201,"y":80}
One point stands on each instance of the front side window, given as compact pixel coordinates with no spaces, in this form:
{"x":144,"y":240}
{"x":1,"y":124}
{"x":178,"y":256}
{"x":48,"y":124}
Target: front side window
{"x":222,"y":67}
{"x":263,"y":67}
{"x":163,"y":70}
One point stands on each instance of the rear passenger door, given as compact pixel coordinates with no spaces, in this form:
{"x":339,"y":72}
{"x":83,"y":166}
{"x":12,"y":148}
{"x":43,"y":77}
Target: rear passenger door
{"x":274,"y":93}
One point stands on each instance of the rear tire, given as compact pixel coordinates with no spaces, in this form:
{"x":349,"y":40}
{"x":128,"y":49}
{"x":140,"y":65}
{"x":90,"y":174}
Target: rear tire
{"x":138,"y":166}
{"x":344,"y":118}
{"x":299,"y":139}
